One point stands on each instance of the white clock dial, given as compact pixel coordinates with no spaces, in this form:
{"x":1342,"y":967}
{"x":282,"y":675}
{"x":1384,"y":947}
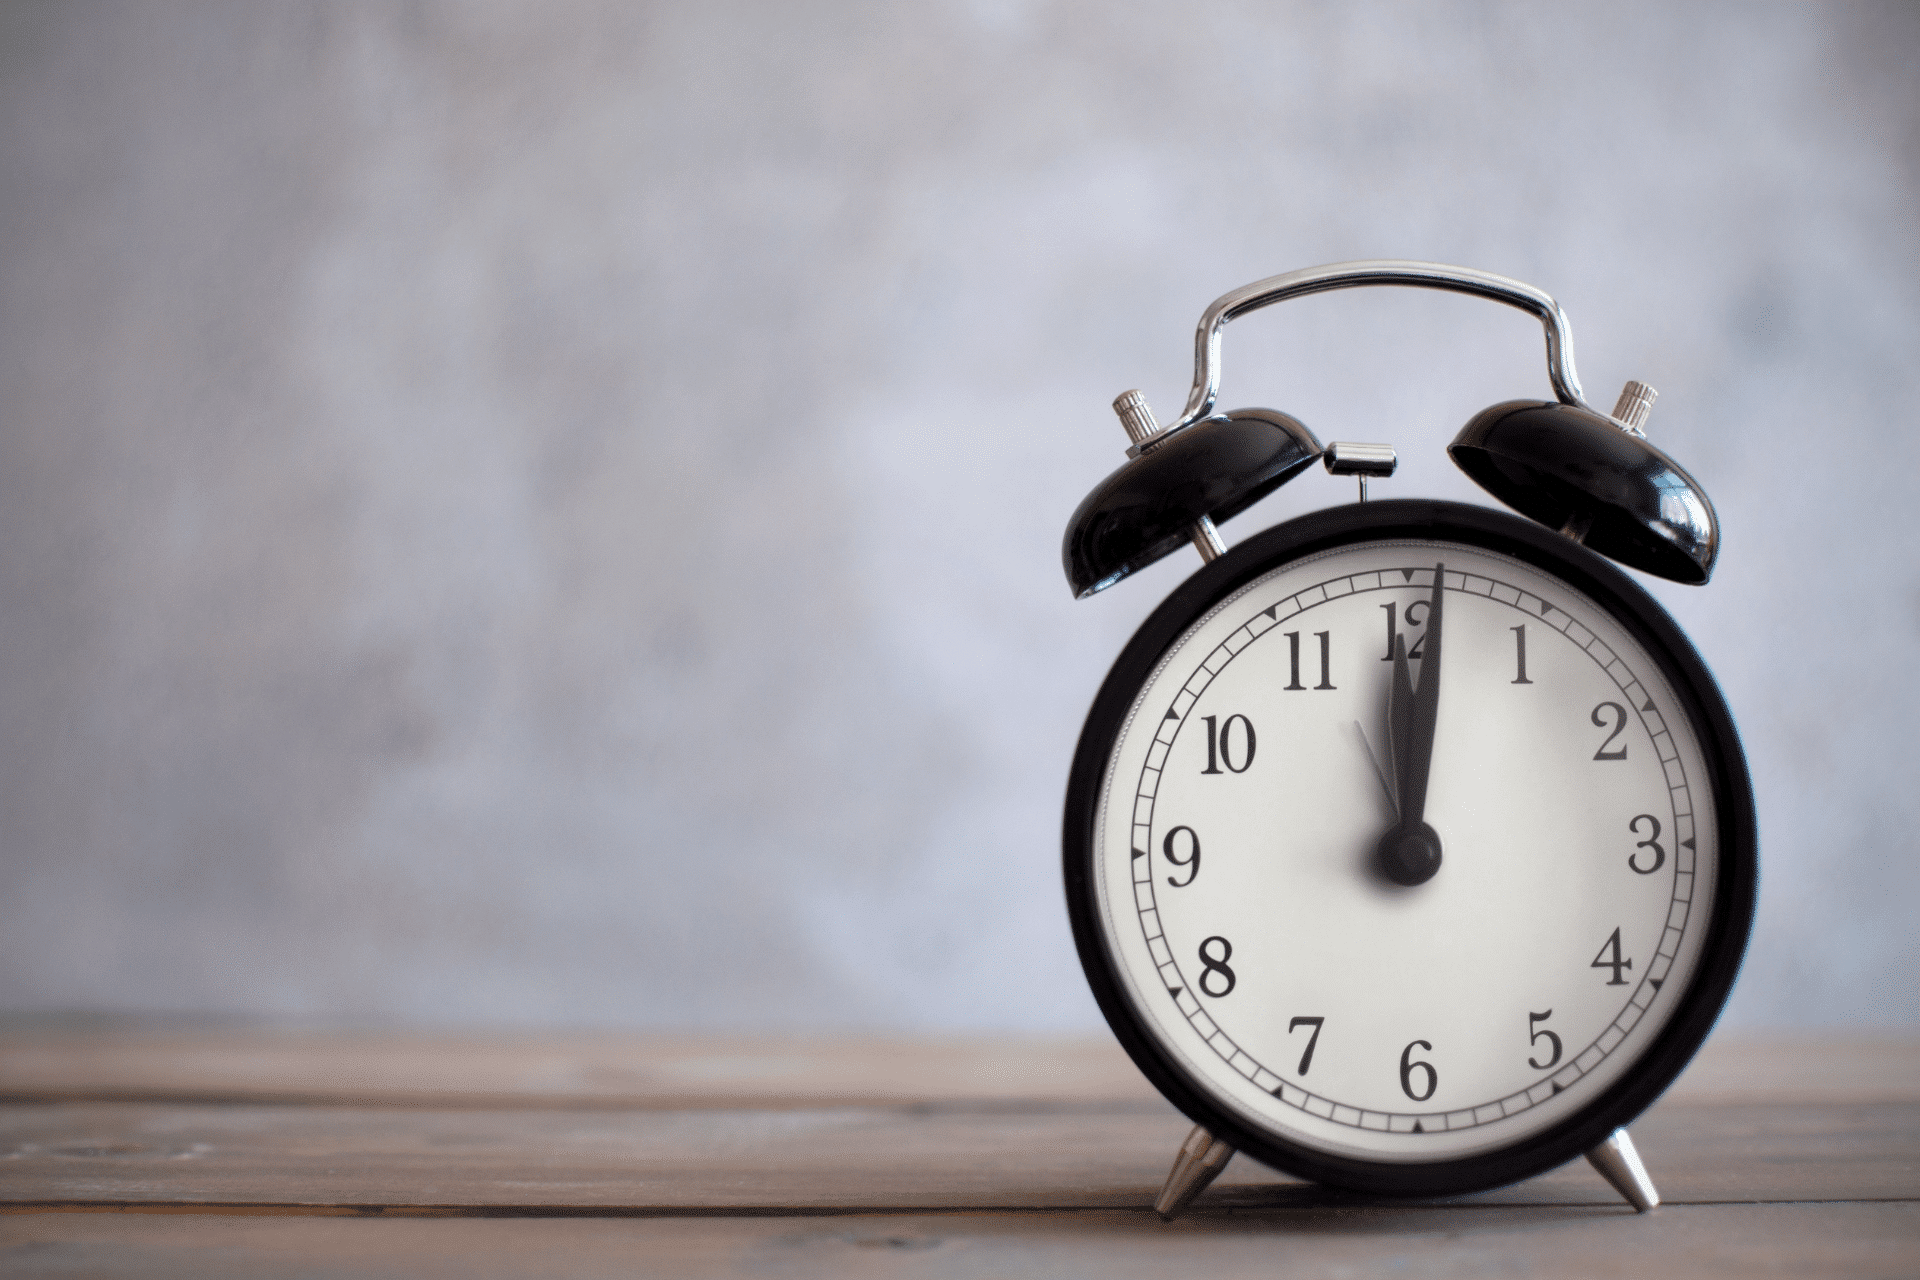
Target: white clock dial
{"x":1240,"y":898}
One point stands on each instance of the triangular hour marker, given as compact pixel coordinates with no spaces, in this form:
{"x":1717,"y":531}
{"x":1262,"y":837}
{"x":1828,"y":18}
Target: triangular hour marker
{"x":1648,"y":706}
{"x":1175,"y":991}
{"x":1407,"y":574}
{"x":1139,"y":853}
{"x":1417,"y":1128}
{"x":1556,"y":1086}
{"x":1276,"y":1092}
{"x":1272,"y":611}
{"x":1656,"y":982}
{"x":1171,"y":714}
{"x":1545,"y":608}
{"x":1687,"y":843}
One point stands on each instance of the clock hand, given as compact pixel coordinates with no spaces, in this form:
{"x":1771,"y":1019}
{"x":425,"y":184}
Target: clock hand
{"x":1386,"y":787}
{"x":1409,"y":852}
{"x":1424,"y":713}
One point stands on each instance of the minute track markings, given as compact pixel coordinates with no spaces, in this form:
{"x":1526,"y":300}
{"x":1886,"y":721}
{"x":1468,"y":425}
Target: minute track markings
{"x":1572,"y":1068}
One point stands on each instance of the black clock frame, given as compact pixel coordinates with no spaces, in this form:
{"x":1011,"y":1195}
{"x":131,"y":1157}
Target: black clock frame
{"x":1728,"y":926}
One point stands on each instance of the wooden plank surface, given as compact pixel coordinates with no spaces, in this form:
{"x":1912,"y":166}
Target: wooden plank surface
{"x":130,"y":1151}
{"x":841,"y":1159}
{"x":1738,"y":1242}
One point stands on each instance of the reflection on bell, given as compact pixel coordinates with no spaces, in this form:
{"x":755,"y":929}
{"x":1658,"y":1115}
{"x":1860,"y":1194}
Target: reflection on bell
{"x":1218,"y":467}
{"x":1596,"y":480}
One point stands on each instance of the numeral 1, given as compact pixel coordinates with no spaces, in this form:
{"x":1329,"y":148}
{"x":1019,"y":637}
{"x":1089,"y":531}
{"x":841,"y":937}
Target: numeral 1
{"x":1326,"y":659}
{"x":1519,"y":654}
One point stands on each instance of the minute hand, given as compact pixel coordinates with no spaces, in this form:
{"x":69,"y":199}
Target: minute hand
{"x":1410,"y":852}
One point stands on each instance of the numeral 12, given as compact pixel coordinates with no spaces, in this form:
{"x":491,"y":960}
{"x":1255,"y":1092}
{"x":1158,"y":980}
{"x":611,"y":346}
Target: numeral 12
{"x":1412,"y":621}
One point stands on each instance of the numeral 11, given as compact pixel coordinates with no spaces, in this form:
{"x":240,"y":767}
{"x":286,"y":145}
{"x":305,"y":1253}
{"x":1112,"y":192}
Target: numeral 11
{"x":1326,"y":659}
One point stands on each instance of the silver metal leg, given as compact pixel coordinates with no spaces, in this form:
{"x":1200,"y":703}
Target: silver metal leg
{"x":1202,"y":1157}
{"x":1620,"y":1165}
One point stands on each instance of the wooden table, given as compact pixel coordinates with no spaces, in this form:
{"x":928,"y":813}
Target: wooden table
{"x":207,"y":1153}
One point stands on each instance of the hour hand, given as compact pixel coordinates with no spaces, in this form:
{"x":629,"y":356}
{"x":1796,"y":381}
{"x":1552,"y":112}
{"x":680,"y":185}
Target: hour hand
{"x":1400,"y":724}
{"x":1409,"y":853}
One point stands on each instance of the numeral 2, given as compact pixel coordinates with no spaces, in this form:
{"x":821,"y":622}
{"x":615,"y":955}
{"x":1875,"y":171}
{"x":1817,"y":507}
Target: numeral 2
{"x":1619,"y":727}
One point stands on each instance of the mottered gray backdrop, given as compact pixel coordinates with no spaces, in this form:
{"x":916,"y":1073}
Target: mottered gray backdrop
{"x":550,"y":514}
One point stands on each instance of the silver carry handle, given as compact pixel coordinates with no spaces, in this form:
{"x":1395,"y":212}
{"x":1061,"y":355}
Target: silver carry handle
{"x":1349,"y":275}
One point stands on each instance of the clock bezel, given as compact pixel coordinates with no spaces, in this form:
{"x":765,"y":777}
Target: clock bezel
{"x":1728,"y":926}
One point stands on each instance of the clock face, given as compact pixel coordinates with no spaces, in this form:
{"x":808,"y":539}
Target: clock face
{"x":1309,"y":992}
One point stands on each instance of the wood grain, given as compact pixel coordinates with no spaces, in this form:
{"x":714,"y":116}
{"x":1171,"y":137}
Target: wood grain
{"x":1734,"y":1241}
{"x":840,"y":1159}
{"x":169,"y":1152}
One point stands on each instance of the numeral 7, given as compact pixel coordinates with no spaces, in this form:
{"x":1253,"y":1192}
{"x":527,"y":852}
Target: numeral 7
{"x":1306,"y":1059}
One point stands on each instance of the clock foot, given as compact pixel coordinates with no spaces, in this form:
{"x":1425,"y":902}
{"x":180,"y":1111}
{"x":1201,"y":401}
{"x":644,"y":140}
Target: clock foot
{"x":1620,"y":1165}
{"x":1202,"y":1157}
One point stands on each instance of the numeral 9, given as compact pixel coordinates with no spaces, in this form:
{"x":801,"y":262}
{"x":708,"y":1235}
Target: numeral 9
{"x":1192,"y":860}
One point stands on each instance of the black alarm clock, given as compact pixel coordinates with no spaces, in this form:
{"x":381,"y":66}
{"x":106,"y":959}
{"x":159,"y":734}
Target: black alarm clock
{"x":1409,"y":845}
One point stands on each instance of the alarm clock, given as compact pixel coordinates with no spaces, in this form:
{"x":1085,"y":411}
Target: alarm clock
{"x":1409,"y":845}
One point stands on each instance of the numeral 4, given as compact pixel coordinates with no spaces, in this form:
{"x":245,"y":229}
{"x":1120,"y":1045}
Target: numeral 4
{"x":1617,"y":963}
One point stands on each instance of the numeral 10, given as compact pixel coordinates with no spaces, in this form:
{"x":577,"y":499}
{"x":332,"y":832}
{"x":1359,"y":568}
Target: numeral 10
{"x":1220,"y":744}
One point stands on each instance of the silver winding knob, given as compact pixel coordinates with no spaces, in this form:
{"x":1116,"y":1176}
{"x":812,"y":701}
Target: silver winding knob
{"x":1635,"y":403}
{"x":1135,"y":416}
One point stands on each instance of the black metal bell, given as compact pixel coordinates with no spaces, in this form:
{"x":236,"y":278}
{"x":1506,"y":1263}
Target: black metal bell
{"x":1217,"y":468}
{"x":1603,"y":485}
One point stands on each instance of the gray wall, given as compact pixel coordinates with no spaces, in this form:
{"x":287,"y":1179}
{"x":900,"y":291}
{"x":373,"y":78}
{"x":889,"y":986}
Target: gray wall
{"x":549,"y":513}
